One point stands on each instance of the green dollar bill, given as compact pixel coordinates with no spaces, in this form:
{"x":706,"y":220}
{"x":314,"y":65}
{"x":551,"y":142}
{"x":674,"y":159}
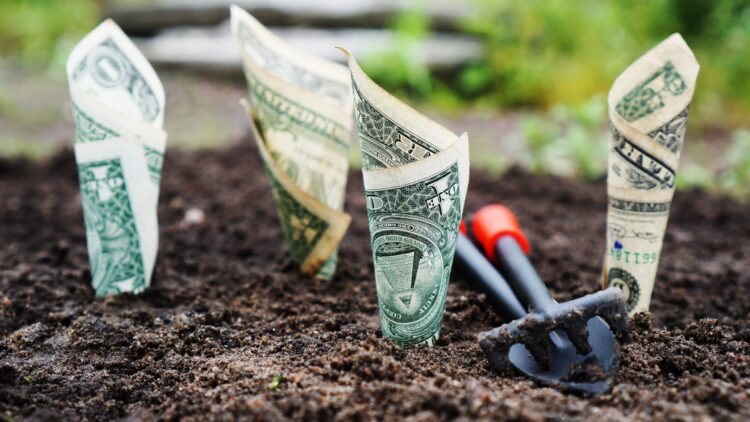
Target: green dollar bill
{"x":415,"y":175}
{"x":648,"y":113}
{"x":312,"y":230}
{"x":301,"y":118}
{"x":118,"y":109}
{"x":413,"y":230}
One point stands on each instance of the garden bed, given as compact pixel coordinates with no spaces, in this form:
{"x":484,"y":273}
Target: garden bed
{"x":230,"y":328}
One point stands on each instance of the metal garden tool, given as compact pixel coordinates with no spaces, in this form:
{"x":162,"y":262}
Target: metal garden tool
{"x":564,"y":360}
{"x":480,"y":271}
{"x":569,"y":345}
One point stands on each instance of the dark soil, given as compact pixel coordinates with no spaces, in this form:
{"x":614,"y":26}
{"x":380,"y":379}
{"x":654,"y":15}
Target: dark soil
{"x":228,"y":313}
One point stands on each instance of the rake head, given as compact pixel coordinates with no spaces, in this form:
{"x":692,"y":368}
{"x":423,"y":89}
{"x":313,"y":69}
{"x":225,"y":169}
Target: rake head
{"x":571,"y":345}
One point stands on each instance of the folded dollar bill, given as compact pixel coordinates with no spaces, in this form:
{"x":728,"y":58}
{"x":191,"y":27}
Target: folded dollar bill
{"x":648,"y":110}
{"x":118,"y":107}
{"x":416,"y":174}
{"x":300,"y":110}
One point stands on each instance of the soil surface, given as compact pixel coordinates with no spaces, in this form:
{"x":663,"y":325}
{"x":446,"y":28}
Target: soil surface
{"x":230,"y":329}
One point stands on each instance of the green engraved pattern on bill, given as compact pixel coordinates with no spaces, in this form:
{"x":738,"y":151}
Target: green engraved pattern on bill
{"x":413,"y":230}
{"x":327,"y":270}
{"x":642,"y":169}
{"x":109,"y":68}
{"x":287,"y":70}
{"x":672,"y":133}
{"x":285,"y":111}
{"x":88,"y":129}
{"x":155,"y":161}
{"x":622,"y":279}
{"x":302,"y":228}
{"x":649,"y":96}
{"x":112,"y":238}
{"x":634,"y":242}
{"x":383,"y":143}
{"x":308,"y":146}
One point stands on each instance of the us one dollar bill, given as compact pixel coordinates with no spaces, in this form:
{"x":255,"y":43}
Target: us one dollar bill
{"x":118,"y":109}
{"x":416,"y":174}
{"x":300,"y":110}
{"x":648,"y":110}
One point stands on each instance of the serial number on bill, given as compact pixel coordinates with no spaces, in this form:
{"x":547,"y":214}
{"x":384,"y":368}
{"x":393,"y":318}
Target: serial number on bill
{"x":632,"y":257}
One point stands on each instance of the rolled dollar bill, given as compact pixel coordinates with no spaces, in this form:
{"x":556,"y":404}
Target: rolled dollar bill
{"x":300,"y":110}
{"x":416,"y":174}
{"x":118,"y":106}
{"x":648,"y":109}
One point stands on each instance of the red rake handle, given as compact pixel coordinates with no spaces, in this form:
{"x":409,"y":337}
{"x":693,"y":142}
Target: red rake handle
{"x":494,"y":221}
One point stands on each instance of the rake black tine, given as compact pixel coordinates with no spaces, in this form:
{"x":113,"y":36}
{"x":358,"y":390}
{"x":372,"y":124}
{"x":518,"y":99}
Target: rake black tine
{"x":578,"y":336}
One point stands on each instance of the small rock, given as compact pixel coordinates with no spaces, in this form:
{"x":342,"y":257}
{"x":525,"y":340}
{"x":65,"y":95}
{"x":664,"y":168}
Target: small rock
{"x":194,"y":216}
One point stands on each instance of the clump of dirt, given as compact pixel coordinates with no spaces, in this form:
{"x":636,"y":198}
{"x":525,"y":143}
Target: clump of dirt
{"x":588,"y":372}
{"x":230,"y":329}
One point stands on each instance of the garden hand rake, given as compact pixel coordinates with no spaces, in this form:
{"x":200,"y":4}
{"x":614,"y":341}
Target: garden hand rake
{"x":567,"y":345}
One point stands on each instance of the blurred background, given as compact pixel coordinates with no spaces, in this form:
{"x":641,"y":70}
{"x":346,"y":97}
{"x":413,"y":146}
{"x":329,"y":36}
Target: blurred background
{"x":527,"y":79}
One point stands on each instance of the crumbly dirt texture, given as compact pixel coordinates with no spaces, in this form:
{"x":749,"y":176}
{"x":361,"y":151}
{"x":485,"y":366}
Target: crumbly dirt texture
{"x":229,"y":329}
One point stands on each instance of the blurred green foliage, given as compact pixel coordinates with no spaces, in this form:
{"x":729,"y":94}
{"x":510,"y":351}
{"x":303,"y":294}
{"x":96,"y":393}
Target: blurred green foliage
{"x":396,"y":68}
{"x":34,"y":31}
{"x":556,"y":56}
{"x":567,"y":141}
{"x":732,"y":177}
{"x":560,"y":59}
{"x":735,"y":177}
{"x":572,"y":141}
{"x":540,"y":53}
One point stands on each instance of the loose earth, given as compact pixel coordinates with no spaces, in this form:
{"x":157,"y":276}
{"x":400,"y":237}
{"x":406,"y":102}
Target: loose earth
{"x":230,"y":329}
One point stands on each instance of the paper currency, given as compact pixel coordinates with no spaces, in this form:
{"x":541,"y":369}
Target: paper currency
{"x":118,"y":107}
{"x":300,"y":110}
{"x":648,"y":110}
{"x":416,"y":174}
